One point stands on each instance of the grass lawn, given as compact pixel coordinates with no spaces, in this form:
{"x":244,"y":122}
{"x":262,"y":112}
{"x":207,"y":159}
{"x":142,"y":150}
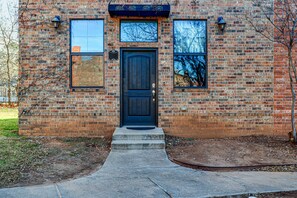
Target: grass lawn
{"x":15,"y":151}
{"x":8,"y":122}
{"x":8,"y":113}
{"x":17,"y":156}
{"x":29,"y":161}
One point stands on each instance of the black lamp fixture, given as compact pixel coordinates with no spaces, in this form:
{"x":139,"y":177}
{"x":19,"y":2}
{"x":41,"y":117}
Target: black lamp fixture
{"x":56,"y":21}
{"x":221,"y":24}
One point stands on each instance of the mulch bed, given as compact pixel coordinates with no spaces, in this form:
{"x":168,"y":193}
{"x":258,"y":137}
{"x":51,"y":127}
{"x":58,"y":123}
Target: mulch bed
{"x":250,"y":153}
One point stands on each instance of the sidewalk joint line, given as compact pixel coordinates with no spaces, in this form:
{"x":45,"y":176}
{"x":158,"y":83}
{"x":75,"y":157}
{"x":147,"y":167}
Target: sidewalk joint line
{"x":163,"y":189}
{"x":58,"y":191}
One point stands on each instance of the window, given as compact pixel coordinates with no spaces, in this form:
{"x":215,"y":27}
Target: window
{"x":190,"y":65}
{"x":87,"y":48}
{"x":139,"y":31}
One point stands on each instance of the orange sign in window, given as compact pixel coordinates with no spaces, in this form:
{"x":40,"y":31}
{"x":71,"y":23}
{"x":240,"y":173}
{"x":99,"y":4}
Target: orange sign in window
{"x":75,"y":48}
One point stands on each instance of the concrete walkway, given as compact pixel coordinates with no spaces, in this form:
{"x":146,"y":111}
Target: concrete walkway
{"x":148,"y":173}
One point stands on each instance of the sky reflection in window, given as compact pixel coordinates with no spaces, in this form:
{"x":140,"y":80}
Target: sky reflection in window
{"x":87,"y":36}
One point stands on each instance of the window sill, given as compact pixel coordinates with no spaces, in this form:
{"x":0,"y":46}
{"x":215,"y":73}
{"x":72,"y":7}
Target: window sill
{"x":98,"y":90}
{"x":188,"y":89}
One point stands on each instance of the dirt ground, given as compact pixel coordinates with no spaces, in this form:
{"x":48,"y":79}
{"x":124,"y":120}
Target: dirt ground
{"x":257,"y":153}
{"x":290,"y":194}
{"x":60,"y":159}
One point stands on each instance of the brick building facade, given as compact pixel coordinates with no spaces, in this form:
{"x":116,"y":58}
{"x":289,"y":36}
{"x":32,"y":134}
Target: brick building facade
{"x":240,"y":91}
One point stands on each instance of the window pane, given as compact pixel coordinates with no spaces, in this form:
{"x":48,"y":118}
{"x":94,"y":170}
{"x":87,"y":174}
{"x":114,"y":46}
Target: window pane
{"x":189,"y":71}
{"x":139,"y":31}
{"x":87,"y":71}
{"x":79,"y":28}
{"x":190,"y":36}
{"x":95,"y":44}
{"x":95,"y":28}
{"x":87,"y":36}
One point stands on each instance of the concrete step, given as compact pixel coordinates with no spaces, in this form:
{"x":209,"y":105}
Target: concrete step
{"x":138,"y":136}
{"x":137,"y":144}
{"x":130,"y":139}
{"x":126,"y":134}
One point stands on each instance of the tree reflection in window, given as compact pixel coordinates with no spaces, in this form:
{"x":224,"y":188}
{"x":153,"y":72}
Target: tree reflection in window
{"x":139,"y":31}
{"x":190,"y":67}
{"x":190,"y":71}
{"x":189,"y":36}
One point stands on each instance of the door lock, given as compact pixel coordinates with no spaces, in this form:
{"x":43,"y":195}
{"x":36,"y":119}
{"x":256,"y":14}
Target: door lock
{"x":154,"y":92}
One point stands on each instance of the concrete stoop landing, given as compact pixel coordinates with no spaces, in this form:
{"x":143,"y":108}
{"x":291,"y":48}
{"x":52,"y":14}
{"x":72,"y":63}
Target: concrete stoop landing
{"x":133,"y":139}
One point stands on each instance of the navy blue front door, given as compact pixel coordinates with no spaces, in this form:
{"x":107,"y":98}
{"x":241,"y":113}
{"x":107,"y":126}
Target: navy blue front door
{"x":138,"y":87}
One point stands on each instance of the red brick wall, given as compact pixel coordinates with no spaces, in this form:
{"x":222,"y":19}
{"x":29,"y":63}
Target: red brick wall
{"x":282,"y":90}
{"x":239,"y":99}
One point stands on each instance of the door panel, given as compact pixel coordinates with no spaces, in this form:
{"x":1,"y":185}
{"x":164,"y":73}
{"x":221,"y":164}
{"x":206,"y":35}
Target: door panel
{"x":138,"y":75}
{"x":139,"y":106}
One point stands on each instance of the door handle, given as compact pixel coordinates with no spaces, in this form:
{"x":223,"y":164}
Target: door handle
{"x":154,"y":92}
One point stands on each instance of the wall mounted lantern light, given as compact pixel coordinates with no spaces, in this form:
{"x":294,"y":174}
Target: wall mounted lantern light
{"x":56,"y":21}
{"x":221,"y":24}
